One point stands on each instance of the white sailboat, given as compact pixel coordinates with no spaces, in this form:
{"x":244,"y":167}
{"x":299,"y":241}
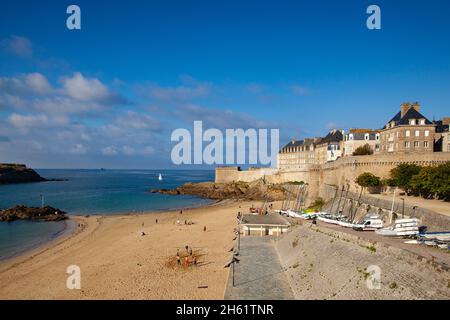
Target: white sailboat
{"x":160,"y":177}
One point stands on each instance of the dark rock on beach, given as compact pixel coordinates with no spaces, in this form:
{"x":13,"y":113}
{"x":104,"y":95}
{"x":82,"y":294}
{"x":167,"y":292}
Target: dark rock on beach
{"x":257,"y":190}
{"x":30,"y":213}
{"x":18,"y":173}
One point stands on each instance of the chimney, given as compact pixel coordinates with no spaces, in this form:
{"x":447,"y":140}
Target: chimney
{"x":416,"y":106}
{"x":404,"y":108}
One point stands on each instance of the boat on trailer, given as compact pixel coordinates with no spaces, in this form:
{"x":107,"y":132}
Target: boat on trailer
{"x":401,"y":228}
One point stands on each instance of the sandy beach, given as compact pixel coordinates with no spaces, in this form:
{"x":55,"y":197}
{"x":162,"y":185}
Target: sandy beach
{"x":118,"y":262}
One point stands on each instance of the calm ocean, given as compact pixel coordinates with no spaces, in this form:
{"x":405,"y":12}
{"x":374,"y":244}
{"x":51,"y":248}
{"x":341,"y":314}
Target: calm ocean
{"x":90,"y":192}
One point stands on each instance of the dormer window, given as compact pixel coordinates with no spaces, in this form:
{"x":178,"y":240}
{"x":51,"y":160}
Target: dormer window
{"x":422,"y":122}
{"x":350,"y":137}
{"x":412,"y":122}
{"x":377,"y":136}
{"x":366,"y":136}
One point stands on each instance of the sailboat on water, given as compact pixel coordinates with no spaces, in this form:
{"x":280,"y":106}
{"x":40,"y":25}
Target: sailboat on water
{"x":160,"y":177}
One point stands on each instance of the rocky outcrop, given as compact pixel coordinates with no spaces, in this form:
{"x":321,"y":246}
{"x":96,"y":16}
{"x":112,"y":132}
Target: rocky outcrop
{"x":257,"y":190}
{"x":29,"y":213}
{"x":18,"y":173}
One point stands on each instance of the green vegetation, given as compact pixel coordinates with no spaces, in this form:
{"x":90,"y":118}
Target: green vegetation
{"x":368,"y":179}
{"x":317,"y":204}
{"x":425,"y":181}
{"x":402,"y":174}
{"x":393,"y":285}
{"x":298,"y":183}
{"x":363,"y":150}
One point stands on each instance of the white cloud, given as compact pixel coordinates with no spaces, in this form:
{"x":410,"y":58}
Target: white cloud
{"x":19,"y":46}
{"x":28,"y":121}
{"x":78,"y":149}
{"x":36,"y":121}
{"x":299,"y":90}
{"x":84,"y":89}
{"x":25,"y":84}
{"x":135,"y":120}
{"x":37,"y":83}
{"x":189,"y":89}
{"x":110,"y":151}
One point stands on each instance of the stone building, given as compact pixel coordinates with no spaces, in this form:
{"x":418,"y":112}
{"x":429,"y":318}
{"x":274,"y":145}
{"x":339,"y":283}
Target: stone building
{"x":442,"y":138}
{"x":330,"y":147}
{"x":297,"y":154}
{"x":356,"y":138}
{"x":408,"y":131}
{"x":264,"y":225}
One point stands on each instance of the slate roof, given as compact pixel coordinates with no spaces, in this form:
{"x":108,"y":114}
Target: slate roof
{"x":332,"y":136}
{"x":294,"y":143}
{"x":299,"y":143}
{"x":410,"y":114}
{"x":361,"y":136}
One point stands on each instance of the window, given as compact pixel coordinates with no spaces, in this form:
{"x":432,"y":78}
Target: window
{"x":407,"y":145}
{"x":417,"y":133}
{"x":407,"y":133}
{"x":416,"y":144}
{"x":412,"y":122}
{"x":377,"y":136}
{"x":427,"y":133}
{"x":366,"y":136}
{"x":422,"y":121}
{"x":425,"y":144}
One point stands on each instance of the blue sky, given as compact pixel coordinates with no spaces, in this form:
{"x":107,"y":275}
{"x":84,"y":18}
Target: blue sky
{"x":109,"y":95}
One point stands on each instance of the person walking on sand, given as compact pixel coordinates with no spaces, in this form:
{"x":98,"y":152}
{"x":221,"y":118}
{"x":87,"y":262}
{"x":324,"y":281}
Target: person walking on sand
{"x":178,"y":259}
{"x":195,"y":261}
{"x":181,"y":211}
{"x":204,"y":228}
{"x":187,"y":248}
{"x":186,"y":261}
{"x":190,"y":252}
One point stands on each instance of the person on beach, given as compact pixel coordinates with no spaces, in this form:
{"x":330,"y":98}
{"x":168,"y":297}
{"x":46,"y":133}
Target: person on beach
{"x":187,"y":248}
{"x":195,"y":261}
{"x":181,"y":211}
{"x":186,"y":261}
{"x":178,"y":259}
{"x":190,"y":252}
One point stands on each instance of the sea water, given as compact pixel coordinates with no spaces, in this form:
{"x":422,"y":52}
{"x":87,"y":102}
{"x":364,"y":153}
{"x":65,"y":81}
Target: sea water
{"x":90,"y":192}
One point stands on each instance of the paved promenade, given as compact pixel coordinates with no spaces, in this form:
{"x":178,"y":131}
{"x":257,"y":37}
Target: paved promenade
{"x":259,"y":274}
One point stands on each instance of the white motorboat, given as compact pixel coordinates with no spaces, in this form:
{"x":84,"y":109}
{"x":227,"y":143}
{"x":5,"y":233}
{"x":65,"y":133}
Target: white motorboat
{"x":160,"y":177}
{"x":441,"y":236}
